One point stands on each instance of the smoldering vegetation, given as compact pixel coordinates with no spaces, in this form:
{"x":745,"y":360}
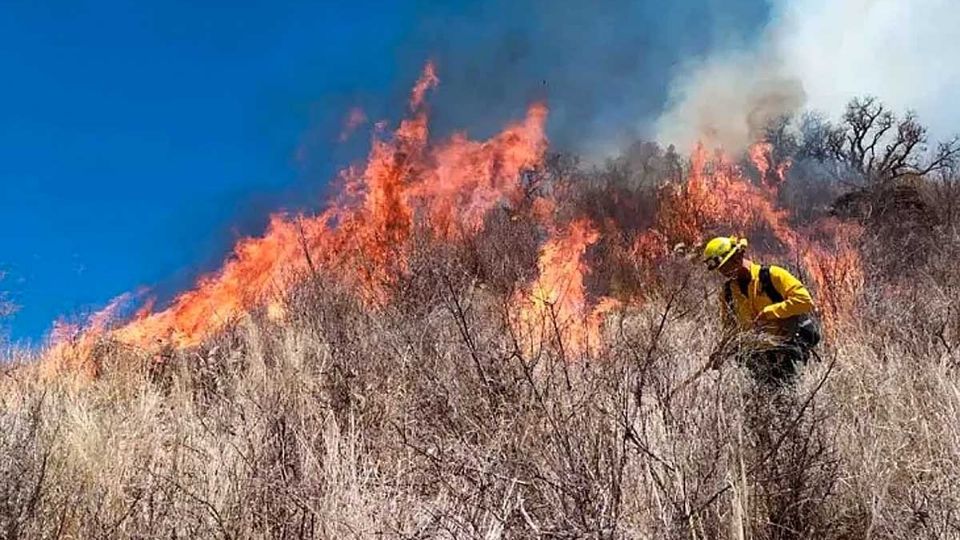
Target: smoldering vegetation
{"x":439,"y":416}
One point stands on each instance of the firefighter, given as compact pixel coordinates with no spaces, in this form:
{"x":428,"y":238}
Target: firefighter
{"x":765,"y":299}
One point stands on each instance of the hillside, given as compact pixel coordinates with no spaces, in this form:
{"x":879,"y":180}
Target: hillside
{"x":490,"y":339}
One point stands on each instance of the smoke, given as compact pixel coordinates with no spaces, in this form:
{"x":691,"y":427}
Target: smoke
{"x":600,"y":66}
{"x":727,"y":100}
{"x":818,"y":54}
{"x":902,"y":51}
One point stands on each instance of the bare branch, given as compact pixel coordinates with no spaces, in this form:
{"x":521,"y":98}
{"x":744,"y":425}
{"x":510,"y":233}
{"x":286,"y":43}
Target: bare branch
{"x":872,"y":142}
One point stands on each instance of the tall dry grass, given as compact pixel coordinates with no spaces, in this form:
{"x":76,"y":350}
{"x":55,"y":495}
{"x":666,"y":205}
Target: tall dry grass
{"x":435,"y":417}
{"x":429,"y":419}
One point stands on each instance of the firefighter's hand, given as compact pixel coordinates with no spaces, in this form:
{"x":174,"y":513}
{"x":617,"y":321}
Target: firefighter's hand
{"x":761,"y":320}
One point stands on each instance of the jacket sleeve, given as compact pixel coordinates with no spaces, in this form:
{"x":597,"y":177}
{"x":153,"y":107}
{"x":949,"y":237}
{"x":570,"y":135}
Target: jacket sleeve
{"x":796,"y":297}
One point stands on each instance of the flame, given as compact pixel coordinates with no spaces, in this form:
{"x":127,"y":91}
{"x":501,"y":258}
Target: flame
{"x":556,"y":309}
{"x":772,"y":175}
{"x":716,"y":199}
{"x":470,"y":178}
{"x":410,"y":185}
{"x":363,"y":235}
{"x":355,"y":118}
{"x":428,"y":80}
{"x":72,"y":344}
{"x":835,"y":264}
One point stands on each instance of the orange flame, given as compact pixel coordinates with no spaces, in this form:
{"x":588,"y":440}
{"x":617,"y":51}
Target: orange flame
{"x":556,"y":308}
{"x":410,"y":183}
{"x":364,"y":234}
{"x":834,"y":262}
{"x":717,"y":199}
{"x":355,"y":118}
{"x":428,"y":80}
{"x":72,"y":344}
{"x":772,"y":175}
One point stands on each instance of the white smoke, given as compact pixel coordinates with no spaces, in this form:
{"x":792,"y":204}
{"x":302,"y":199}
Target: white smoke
{"x":818,"y":54}
{"x":726,"y":100}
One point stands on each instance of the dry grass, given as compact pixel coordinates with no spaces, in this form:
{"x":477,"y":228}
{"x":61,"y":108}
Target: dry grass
{"x":434,"y":423}
{"x":434,"y":418}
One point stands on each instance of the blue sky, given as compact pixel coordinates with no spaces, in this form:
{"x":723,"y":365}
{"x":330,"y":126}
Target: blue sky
{"x":138,"y":140}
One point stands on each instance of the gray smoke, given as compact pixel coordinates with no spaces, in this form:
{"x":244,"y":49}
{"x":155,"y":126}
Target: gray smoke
{"x":818,"y":54}
{"x":603,"y":67}
{"x":727,"y":101}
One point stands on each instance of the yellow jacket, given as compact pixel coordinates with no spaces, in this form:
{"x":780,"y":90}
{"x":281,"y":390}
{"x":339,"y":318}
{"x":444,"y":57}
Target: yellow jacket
{"x":755,"y":303}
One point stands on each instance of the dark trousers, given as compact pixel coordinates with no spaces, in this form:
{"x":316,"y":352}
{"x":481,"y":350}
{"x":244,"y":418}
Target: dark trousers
{"x":777,"y":367}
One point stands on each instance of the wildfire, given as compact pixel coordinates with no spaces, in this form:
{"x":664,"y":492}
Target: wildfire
{"x":410,"y":184}
{"x":772,"y":175}
{"x":73,"y":343}
{"x":718,"y":199}
{"x":447,"y":187}
{"x":833,"y":261}
{"x":556,"y":308}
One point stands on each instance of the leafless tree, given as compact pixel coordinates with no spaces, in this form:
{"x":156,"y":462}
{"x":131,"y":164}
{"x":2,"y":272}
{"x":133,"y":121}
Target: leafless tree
{"x":872,"y":141}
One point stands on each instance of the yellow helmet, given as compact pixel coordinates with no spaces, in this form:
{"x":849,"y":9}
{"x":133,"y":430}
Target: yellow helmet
{"x":720,"y":249}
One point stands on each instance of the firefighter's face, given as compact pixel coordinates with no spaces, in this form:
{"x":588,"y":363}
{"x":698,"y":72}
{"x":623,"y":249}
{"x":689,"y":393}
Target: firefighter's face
{"x":729,"y":268}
